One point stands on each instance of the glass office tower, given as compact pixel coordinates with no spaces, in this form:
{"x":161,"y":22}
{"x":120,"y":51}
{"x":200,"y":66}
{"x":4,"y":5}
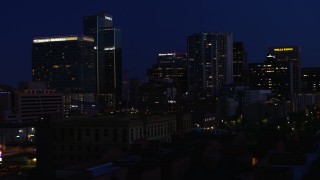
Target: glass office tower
{"x":108,"y":54}
{"x":65,"y":63}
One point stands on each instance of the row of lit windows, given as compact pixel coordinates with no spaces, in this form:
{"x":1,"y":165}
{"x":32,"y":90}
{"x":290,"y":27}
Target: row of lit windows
{"x":152,"y":131}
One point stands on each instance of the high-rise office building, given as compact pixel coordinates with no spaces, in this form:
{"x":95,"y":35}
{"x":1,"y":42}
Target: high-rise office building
{"x":289,"y":54}
{"x":64,"y":63}
{"x":272,"y":74}
{"x":67,"y":64}
{"x":108,"y":54}
{"x":171,"y":66}
{"x":210,"y":64}
{"x":310,"y":79}
{"x":239,"y":64}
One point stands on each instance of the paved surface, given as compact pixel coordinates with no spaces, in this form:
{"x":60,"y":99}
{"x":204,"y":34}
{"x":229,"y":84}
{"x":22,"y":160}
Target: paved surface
{"x":9,"y":151}
{"x":15,"y":160}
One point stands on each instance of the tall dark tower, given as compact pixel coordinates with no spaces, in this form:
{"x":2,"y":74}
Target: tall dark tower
{"x":239,"y":64}
{"x":210,"y":64}
{"x":108,"y":57}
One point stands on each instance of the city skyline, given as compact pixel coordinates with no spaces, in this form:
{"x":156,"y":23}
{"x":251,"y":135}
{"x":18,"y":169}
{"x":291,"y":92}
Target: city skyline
{"x":150,"y":28}
{"x":123,"y":89}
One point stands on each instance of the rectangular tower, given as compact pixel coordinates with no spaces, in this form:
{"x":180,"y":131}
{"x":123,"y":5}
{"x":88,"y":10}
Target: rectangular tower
{"x":108,"y":55}
{"x":239,"y":64}
{"x":64,"y":63}
{"x":289,"y":54}
{"x":171,"y":66}
{"x":210,"y":62}
{"x":272,"y":75}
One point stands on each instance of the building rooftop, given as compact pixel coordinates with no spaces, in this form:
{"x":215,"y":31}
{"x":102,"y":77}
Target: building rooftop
{"x":111,"y":119}
{"x":62,"y":38}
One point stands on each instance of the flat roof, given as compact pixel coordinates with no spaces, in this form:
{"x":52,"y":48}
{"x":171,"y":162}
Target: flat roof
{"x":110,"y":119}
{"x":62,"y":39}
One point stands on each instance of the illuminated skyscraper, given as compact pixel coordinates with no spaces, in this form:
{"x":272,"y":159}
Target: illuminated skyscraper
{"x":67,"y":64}
{"x":210,"y":64}
{"x":64,"y":63}
{"x":272,"y":74}
{"x":107,"y":42}
{"x":289,"y":54}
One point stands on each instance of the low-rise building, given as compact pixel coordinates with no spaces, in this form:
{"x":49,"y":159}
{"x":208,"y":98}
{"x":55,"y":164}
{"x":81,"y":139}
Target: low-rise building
{"x":79,"y":139}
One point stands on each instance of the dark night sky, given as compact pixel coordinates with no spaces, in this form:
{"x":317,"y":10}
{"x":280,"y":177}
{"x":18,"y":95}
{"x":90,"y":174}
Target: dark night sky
{"x":153,"y":26}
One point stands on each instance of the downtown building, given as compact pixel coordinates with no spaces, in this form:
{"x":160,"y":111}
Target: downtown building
{"x":20,"y":110}
{"x":240,"y":76}
{"x":108,"y":58}
{"x":78,"y":140}
{"x":279,"y":73}
{"x":310,"y":79}
{"x":271,"y":75}
{"x":210,"y":63}
{"x":310,"y":82}
{"x":290,"y":55}
{"x":210,"y":68}
{"x":66,"y":64}
{"x":171,"y":66}
{"x":167,"y":81}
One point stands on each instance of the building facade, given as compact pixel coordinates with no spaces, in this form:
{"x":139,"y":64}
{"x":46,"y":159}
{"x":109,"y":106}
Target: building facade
{"x":108,"y":57}
{"x":64,"y":63}
{"x":171,"y":66}
{"x":83,"y":139}
{"x":289,"y":54}
{"x":239,"y":64}
{"x":310,"y":79}
{"x":272,"y":75}
{"x":210,"y":64}
{"x":29,"y":103}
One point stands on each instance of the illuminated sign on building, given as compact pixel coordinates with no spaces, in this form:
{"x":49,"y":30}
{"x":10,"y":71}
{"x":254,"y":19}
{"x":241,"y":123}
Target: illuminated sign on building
{"x":283,"y":49}
{"x":270,"y":56}
{"x":108,"y":18}
{"x":55,"y":39}
{"x":89,"y":39}
{"x":166,"y":54}
{"x":171,"y":101}
{"x":109,"y":48}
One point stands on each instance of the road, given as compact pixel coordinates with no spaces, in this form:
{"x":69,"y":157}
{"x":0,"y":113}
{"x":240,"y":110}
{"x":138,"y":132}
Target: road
{"x":17,"y":159}
{"x":10,"y":151}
